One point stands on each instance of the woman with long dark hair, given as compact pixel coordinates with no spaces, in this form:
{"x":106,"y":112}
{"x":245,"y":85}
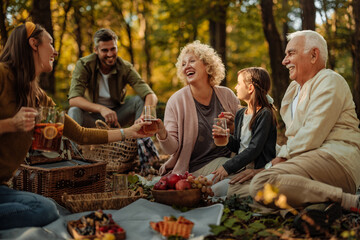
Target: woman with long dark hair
{"x":28,"y":52}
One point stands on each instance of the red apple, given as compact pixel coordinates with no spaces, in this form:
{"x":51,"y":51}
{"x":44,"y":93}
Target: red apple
{"x":183,"y":184}
{"x":172,"y":179}
{"x":160,"y":185}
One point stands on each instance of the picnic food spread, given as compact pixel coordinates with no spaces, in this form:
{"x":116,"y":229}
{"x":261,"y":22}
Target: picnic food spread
{"x":183,"y":190}
{"x":96,"y":225}
{"x":171,"y":226}
{"x":185,"y":181}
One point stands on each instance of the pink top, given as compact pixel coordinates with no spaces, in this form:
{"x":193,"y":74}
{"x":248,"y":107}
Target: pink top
{"x":181,"y":122}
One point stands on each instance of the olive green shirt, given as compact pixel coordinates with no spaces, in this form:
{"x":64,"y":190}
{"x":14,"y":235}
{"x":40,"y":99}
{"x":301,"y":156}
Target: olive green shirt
{"x":86,"y":77}
{"x":15,"y":145}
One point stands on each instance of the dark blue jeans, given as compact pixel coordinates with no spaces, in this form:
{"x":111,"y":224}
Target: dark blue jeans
{"x":127,"y":113}
{"x":25,"y":209}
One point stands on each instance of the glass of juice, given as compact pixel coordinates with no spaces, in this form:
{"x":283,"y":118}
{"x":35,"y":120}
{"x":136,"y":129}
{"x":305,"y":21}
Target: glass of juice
{"x":221,"y":138}
{"x":150,"y":116}
{"x":49,"y":126}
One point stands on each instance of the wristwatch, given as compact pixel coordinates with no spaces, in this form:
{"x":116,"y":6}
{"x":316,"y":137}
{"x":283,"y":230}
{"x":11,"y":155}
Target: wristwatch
{"x":268,"y":165}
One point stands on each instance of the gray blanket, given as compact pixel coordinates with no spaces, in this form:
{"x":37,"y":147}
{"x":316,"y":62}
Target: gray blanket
{"x":134,"y":218}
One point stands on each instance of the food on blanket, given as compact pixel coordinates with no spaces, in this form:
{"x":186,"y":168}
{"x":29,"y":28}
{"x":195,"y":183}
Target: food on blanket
{"x":183,"y":184}
{"x":172,"y":179}
{"x":171,"y":226}
{"x":160,"y":185}
{"x":96,"y":224}
{"x":201,"y":183}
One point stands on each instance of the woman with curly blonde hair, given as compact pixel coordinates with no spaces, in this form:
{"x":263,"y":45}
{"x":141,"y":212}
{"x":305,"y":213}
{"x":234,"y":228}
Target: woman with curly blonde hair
{"x":189,"y":115}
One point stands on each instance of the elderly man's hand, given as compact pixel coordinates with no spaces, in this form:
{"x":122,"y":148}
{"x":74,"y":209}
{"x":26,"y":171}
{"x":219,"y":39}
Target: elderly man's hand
{"x":245,"y":175}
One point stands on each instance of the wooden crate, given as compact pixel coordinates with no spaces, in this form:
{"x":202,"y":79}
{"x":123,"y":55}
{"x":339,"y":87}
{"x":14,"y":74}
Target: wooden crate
{"x":56,"y":178}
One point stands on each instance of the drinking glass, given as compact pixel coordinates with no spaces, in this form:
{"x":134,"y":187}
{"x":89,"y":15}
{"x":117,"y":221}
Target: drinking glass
{"x":150,"y":116}
{"x":222,"y":138}
{"x":120,"y":184}
{"x":49,"y":127}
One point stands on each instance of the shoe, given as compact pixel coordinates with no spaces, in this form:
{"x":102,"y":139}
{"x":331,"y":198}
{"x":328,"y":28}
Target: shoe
{"x":317,"y":218}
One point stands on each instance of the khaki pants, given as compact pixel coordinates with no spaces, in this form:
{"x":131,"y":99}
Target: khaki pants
{"x":239,"y":189}
{"x":311,"y":177}
{"x":210,"y":167}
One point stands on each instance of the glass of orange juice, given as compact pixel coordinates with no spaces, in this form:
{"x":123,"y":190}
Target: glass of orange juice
{"x":150,"y":116}
{"x":222,"y":137}
{"x":49,"y":126}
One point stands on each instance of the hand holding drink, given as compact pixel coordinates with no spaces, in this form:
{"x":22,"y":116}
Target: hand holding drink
{"x":49,"y":126}
{"x":221,"y":137}
{"x":150,"y":116}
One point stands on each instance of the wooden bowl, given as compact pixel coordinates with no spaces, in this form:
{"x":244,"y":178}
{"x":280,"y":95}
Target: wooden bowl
{"x":181,"y":198}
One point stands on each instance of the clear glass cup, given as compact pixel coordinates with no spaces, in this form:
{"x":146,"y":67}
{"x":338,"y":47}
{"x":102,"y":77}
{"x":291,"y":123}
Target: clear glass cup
{"x":120,"y":184}
{"x":48,"y":131}
{"x":222,"y":138}
{"x":150,"y":116}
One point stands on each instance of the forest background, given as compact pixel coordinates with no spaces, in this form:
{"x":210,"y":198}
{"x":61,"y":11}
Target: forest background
{"x":151,"y":33}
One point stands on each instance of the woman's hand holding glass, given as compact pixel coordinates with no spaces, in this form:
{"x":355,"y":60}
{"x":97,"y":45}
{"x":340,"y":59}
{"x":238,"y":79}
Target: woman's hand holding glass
{"x":161,"y":129}
{"x":24,"y":119}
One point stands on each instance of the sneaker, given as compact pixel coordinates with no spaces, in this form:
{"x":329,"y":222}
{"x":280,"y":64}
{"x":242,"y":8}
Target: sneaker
{"x":317,"y":218}
{"x":357,"y":208}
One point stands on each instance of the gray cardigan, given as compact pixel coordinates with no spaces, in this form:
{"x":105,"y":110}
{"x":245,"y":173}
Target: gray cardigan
{"x":261,"y":148}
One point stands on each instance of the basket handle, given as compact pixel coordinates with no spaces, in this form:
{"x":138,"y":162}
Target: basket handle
{"x":103,"y":125}
{"x":139,"y":191}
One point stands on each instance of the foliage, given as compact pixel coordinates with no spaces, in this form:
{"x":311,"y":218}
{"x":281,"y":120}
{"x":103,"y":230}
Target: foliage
{"x":162,"y":27}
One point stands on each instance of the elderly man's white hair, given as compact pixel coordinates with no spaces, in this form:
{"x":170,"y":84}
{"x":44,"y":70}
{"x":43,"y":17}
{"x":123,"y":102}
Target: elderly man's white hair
{"x":312,"y":40}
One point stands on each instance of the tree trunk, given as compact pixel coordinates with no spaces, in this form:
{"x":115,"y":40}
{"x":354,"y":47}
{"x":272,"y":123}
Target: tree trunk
{"x":308,"y":13}
{"x":217,"y":29}
{"x":3,"y":30}
{"x":356,"y":54}
{"x":63,"y":28}
{"x":78,"y":36}
{"x":118,"y":8}
{"x":280,"y":75}
{"x":41,"y":14}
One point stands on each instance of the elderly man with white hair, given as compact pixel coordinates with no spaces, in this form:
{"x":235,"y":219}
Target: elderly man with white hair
{"x":320,"y":162}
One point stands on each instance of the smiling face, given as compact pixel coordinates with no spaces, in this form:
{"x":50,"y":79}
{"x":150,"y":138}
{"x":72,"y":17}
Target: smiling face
{"x":297,"y":61}
{"x":107,"y":53}
{"x":45,"y":54}
{"x":193,"y":68}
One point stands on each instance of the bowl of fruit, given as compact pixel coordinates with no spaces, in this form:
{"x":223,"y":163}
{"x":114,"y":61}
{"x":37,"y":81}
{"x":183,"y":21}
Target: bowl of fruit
{"x":181,"y":190}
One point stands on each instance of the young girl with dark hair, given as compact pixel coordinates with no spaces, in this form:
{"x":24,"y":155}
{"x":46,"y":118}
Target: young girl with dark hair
{"x":28,"y":52}
{"x":254,"y":138}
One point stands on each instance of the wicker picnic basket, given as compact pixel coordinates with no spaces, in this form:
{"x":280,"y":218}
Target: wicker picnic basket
{"x":54,"y":178}
{"x":119,"y":156}
{"x":106,"y":200}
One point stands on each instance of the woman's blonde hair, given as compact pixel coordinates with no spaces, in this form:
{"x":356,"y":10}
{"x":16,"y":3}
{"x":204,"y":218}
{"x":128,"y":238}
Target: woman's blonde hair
{"x":213,"y":64}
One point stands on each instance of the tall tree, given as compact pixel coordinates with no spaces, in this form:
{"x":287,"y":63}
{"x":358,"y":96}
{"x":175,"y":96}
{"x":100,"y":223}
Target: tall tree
{"x":41,"y":14}
{"x":356,"y":55}
{"x":308,"y":13}
{"x":144,"y":13}
{"x":119,"y":8}
{"x":3,"y":30}
{"x":217,"y":29}
{"x":280,"y":75}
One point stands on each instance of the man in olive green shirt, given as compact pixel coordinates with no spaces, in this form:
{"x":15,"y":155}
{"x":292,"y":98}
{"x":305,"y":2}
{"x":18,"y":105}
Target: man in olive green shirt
{"x":98,"y":86}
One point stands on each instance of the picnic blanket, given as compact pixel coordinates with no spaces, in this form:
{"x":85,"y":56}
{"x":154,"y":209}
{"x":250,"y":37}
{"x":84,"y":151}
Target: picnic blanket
{"x":134,"y":218}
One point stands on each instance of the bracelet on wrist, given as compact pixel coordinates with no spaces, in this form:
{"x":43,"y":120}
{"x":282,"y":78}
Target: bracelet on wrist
{"x":122,"y":134}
